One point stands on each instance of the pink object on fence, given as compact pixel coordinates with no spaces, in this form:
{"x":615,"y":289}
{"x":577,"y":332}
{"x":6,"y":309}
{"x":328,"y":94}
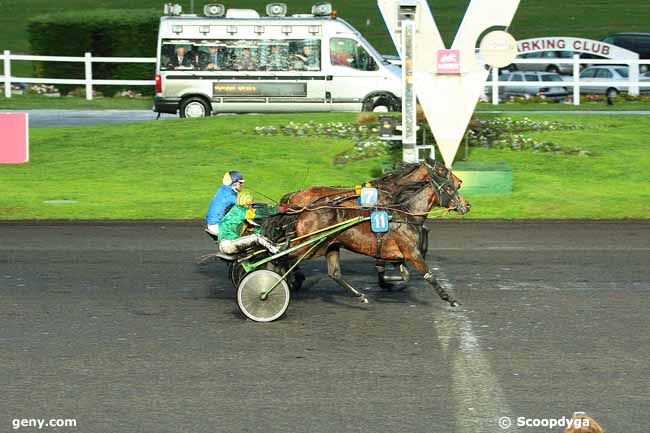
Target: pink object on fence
{"x":14,"y":138}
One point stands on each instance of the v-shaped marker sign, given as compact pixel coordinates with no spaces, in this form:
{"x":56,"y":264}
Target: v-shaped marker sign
{"x":449,"y":100}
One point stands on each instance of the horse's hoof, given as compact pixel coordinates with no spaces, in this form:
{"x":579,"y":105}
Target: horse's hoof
{"x":363,"y":299}
{"x":454,"y":304}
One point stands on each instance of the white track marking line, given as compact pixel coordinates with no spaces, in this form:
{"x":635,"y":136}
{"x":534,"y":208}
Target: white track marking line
{"x":479,"y":398}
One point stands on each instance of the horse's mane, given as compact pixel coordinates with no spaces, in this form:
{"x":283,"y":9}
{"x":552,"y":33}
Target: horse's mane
{"x":402,"y":170}
{"x":405,"y":194}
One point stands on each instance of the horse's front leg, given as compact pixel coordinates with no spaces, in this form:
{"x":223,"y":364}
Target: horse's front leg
{"x":413,"y":256}
{"x":334,"y":272}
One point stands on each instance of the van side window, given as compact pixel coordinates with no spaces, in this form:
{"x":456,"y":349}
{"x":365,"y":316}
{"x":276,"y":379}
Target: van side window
{"x":177,"y":55}
{"x":350,"y":53}
{"x":241,"y":55}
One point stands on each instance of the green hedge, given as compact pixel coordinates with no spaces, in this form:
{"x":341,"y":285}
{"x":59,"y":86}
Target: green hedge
{"x":102,"y":32}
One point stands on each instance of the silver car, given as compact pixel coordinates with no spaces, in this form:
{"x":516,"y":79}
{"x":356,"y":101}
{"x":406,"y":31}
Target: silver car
{"x":618,"y":74}
{"x":551,"y":66}
{"x":550,"y":85}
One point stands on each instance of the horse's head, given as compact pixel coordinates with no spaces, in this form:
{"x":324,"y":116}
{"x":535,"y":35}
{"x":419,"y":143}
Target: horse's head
{"x":441,"y":170}
{"x":446,"y":185}
{"x":449,"y":197}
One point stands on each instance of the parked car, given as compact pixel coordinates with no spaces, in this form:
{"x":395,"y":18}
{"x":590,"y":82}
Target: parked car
{"x":617,"y":74}
{"x":547,"y":87}
{"x":637,"y":42}
{"x":551,"y":66}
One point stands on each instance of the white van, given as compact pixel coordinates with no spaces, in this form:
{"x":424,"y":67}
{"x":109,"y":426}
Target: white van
{"x":235,"y":61}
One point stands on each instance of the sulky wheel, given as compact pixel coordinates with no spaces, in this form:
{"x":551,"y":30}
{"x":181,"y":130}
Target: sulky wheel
{"x":237,"y":273}
{"x":254,"y":305}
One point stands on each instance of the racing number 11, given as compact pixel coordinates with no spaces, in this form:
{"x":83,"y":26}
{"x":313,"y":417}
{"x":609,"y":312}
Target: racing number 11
{"x":379,"y":221}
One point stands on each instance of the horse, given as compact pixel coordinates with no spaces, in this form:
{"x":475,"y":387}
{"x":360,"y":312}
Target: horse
{"x":409,"y":210}
{"x":388,"y":183}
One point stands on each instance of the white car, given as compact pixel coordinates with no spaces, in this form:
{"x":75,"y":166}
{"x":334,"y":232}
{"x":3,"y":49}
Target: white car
{"x":619,"y":75}
{"x":550,"y":85}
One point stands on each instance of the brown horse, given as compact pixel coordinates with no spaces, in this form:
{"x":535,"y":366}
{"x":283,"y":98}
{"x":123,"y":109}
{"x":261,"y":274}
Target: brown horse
{"x":408,"y":211}
{"x":388,"y":185}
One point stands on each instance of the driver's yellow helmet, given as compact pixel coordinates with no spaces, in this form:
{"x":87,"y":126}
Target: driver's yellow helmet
{"x":244,"y":198}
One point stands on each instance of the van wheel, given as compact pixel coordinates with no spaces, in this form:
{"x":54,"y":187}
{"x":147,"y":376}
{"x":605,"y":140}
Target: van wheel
{"x":194,"y":107}
{"x":611,"y":93}
{"x":381,"y":103}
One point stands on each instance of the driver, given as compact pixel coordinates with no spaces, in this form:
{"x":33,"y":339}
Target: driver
{"x":224,"y":198}
{"x":239,"y":220}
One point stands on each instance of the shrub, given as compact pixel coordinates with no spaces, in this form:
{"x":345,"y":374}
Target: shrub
{"x":102,"y":32}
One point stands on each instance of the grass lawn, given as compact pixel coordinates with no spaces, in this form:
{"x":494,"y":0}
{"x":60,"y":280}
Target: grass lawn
{"x":613,"y":183}
{"x":21,"y":102}
{"x":155,"y":170}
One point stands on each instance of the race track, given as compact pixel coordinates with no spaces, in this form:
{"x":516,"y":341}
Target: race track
{"x":115,"y":325}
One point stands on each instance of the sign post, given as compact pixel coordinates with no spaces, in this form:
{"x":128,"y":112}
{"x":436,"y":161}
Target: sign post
{"x":14,"y":141}
{"x":449,"y":82}
{"x":409,"y":101}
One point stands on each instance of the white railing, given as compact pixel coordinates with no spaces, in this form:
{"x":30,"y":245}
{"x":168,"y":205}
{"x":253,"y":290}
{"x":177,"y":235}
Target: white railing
{"x":87,"y":60}
{"x":631,"y":85}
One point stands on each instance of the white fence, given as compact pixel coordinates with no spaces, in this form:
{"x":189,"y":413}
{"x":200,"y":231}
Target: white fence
{"x":87,"y":60}
{"x":633,"y":83}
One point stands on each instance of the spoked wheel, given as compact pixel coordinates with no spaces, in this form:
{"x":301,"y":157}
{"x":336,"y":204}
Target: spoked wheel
{"x":251,"y":300}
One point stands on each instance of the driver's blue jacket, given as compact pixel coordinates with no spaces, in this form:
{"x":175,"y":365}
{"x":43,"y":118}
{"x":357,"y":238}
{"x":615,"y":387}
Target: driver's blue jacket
{"x":223,"y":199}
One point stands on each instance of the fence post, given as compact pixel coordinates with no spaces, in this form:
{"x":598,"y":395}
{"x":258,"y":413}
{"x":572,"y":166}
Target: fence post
{"x":633,"y":76}
{"x":89,"y":76}
{"x":495,"y":86}
{"x":576,"y":79}
{"x":7,"y":72}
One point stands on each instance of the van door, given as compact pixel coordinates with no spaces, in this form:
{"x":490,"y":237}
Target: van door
{"x":355,"y":74}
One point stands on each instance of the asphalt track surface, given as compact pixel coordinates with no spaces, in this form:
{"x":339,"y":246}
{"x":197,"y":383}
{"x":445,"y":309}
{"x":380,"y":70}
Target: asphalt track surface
{"x":56,"y":118}
{"x":116,"y":326}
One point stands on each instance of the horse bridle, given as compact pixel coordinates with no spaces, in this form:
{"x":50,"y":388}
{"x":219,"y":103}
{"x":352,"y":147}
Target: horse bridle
{"x":443,"y":188}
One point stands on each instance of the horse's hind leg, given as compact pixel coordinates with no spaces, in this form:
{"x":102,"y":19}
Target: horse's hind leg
{"x":334,"y":272}
{"x":413,"y":256}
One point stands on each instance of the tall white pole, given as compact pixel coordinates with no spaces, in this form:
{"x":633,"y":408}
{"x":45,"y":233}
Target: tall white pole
{"x":409,"y":101}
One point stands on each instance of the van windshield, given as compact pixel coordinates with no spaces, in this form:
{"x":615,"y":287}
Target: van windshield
{"x":240,"y":55}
